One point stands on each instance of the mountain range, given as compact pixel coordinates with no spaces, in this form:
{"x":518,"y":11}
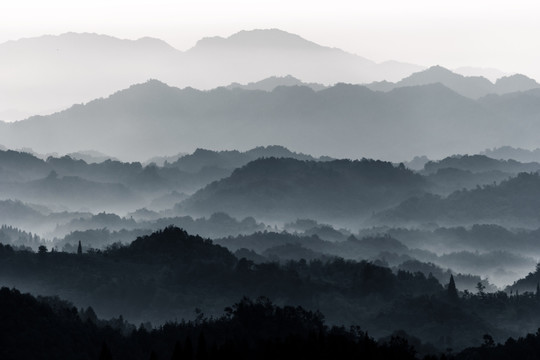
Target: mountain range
{"x":51,"y":72}
{"x":342,"y":121}
{"x":473,"y":87}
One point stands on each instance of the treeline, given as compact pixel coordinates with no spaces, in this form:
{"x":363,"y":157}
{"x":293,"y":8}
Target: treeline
{"x":51,"y":328}
{"x":43,"y":329}
{"x":167,"y":274}
{"x":513,"y":202}
{"x":174,"y":272}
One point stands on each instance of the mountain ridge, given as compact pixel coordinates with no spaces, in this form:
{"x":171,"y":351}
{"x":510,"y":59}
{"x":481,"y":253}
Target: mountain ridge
{"x":154,"y":118}
{"x":72,"y":68}
{"x":474,"y":87}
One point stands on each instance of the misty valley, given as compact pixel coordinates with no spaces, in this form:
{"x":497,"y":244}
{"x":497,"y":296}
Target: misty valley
{"x":260,"y":216}
{"x":362,"y":243}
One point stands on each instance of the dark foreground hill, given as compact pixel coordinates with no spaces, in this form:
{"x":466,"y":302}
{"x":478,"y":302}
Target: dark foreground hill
{"x":166,"y":275}
{"x":283,"y":188}
{"x":50,"y":328}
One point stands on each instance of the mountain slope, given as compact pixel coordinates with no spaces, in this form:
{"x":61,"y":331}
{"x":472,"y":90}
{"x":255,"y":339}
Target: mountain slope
{"x":269,"y":84}
{"x":514,"y":202}
{"x":48,"y":73}
{"x":342,"y":121}
{"x":480,"y":163}
{"x":280,"y":188}
{"x":232,"y":159}
{"x":473,"y":87}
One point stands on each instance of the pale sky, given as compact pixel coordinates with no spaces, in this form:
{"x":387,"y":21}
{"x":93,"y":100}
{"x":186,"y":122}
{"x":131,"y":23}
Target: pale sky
{"x":498,"y":34}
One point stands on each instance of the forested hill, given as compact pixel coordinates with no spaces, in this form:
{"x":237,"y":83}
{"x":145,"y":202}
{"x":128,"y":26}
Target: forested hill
{"x":168,"y":274}
{"x":280,"y":188}
{"x":232,"y":159}
{"x":50,"y":328}
{"x":172,"y":245}
{"x":480,"y":163}
{"x":512,"y":202}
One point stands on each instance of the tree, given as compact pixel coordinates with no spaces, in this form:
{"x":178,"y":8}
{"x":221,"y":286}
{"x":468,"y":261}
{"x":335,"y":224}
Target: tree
{"x":452,"y":290}
{"x":188,"y":349}
{"x":177,"y":353}
{"x":105,"y":353}
{"x":480,"y":287}
{"x":79,"y":248}
{"x":42,"y":249}
{"x":488,"y":341}
{"x":202,"y":352}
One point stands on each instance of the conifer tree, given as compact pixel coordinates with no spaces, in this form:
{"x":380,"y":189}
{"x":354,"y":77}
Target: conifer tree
{"x":452,"y":290}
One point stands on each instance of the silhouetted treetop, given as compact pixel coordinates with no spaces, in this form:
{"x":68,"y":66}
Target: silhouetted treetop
{"x":173,"y":243}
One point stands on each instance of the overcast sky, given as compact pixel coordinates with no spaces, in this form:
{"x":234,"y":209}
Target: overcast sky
{"x":498,"y":34}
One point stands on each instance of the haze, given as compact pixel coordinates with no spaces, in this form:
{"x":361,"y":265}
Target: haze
{"x":259,"y":177}
{"x":488,"y":34}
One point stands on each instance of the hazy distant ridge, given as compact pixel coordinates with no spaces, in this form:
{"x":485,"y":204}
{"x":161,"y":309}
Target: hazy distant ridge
{"x":73,"y":68}
{"x":473,"y":87}
{"x":343,"y":121}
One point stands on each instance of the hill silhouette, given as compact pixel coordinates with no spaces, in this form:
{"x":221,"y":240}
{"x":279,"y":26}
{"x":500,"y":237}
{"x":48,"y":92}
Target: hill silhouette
{"x":284,"y":187}
{"x":474,"y":87}
{"x":269,"y":84}
{"x":232,"y":159}
{"x":514,"y":202}
{"x":73,"y":68}
{"x":155,"y":119}
{"x":480,"y":163}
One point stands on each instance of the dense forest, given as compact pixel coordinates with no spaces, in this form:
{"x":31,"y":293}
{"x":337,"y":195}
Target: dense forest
{"x":269,"y":253}
{"x":169,"y":274}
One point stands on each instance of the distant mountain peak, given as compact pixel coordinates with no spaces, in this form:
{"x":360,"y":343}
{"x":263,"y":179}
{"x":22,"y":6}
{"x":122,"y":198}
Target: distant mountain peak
{"x":85,"y":39}
{"x":271,"y":83}
{"x":438,"y":68}
{"x":516,"y":82}
{"x":259,"y":38}
{"x":436,"y":72}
